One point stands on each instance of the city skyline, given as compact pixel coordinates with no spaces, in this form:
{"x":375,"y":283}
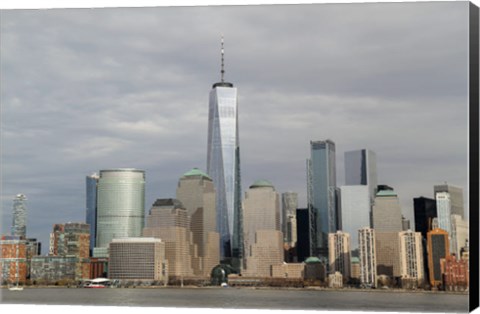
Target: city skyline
{"x":131,"y":102}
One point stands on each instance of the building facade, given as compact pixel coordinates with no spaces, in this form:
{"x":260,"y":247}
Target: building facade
{"x":19,"y":223}
{"x":356,"y":211}
{"x":368,"y":262}
{"x":223,"y":166}
{"x":196,"y":192}
{"x":411,"y":256}
{"x":339,"y":253}
{"x":321,"y":188}
{"x":262,"y":235}
{"x":425,"y":210}
{"x":13,"y":260}
{"x":120,"y":206}
{"x":168,"y":220}
{"x":288,"y":218}
{"x":438,"y":247}
{"x":361,"y":169}
{"x":459,"y":234}
{"x":456,"y":197}
{"x":91,"y":205}
{"x":138,"y":259}
{"x":303,"y":234}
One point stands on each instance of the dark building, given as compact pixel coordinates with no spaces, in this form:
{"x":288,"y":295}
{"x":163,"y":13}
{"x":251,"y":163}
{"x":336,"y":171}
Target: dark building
{"x":384,"y":187}
{"x":425,"y":209}
{"x":303,"y":234}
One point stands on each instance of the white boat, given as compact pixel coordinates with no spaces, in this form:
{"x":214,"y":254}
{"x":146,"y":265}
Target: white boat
{"x":15,"y":288}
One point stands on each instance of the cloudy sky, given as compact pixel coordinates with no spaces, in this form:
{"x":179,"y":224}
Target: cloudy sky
{"x":90,"y":89}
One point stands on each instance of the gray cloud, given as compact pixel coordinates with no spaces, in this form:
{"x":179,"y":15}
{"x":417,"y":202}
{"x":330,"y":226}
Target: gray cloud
{"x":88,"y":89}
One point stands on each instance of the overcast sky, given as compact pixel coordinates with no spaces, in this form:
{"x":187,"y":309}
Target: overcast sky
{"x":90,"y":89}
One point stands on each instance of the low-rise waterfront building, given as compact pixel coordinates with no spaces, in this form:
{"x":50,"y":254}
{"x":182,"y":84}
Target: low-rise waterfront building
{"x":13,"y":260}
{"x":288,"y":270}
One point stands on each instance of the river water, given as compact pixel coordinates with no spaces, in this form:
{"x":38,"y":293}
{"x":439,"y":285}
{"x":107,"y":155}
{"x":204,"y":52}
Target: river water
{"x":243,"y":298}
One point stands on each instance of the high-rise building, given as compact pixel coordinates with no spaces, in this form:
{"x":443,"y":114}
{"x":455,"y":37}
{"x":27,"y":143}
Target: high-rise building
{"x":138,"y":259}
{"x":321,"y":190}
{"x":196,"y":192}
{"x":387,"y":222}
{"x":19,"y":223}
{"x":72,"y":240}
{"x":263,"y":238}
{"x":425,"y":209}
{"x":289,"y":221}
{"x":456,"y":197}
{"x":303,"y":234}
{"x":386,"y":212}
{"x":368,"y":263}
{"x":356,"y":210}
{"x":361,"y":169}
{"x":444,"y":211}
{"x":339,"y":253}
{"x":223,"y":166}
{"x":411,"y":256}
{"x":120,"y":206}
{"x":91,"y":205}
{"x":13,"y":260}
{"x":168,"y":220}
{"x":405,"y":223}
{"x":459,"y":235}
{"x":438,"y":248}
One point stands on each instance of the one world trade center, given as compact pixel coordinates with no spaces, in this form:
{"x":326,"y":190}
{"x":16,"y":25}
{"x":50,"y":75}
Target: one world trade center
{"x":223,"y":166}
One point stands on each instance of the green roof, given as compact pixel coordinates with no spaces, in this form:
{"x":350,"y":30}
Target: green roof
{"x":196,"y":172}
{"x":386,"y":193}
{"x":312,"y":259}
{"x":261,"y":183}
{"x":355,"y":260}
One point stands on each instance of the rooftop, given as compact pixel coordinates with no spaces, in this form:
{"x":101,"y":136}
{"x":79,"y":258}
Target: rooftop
{"x":196,"y":172}
{"x":386,"y":193}
{"x":261,"y":184}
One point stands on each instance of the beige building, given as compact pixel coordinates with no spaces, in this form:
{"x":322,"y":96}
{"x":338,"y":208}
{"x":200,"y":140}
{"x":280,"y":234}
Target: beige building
{"x":168,"y":220}
{"x":138,"y":259}
{"x":367,"y":252}
{"x":459,"y":234}
{"x":339,"y":253}
{"x":411,"y":256}
{"x":387,"y":254}
{"x":289,"y":270}
{"x":335,"y":280}
{"x":196,"y":192}
{"x":263,"y":240}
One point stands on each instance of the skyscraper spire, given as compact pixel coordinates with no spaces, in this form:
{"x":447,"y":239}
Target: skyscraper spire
{"x":223,"y":68}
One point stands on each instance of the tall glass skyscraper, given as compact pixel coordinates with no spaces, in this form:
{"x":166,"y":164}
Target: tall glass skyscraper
{"x":19,"y":223}
{"x":120,"y":206}
{"x":223,"y":166}
{"x":361,"y":169}
{"x":322,"y":184}
{"x":91,"y":204}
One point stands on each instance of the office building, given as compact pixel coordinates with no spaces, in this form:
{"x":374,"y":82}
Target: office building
{"x":361,"y":169}
{"x":356,"y":211}
{"x":91,"y":205}
{"x":303,"y":234}
{"x":455,"y":273}
{"x":223,"y":166}
{"x":138,"y":259}
{"x":387,"y":222}
{"x":262,"y":235}
{"x":444,"y":211}
{"x":438,"y":247}
{"x":53,"y":269}
{"x":456,"y":197}
{"x":196,"y":192}
{"x":321,"y":188}
{"x":13,"y":260}
{"x":459,"y":235}
{"x":425,"y":210}
{"x":386,"y":212}
{"x":168,"y":220}
{"x":411,"y":257}
{"x":405,"y":223}
{"x":288,"y":217}
{"x":339,"y":253}
{"x":120,"y":206}
{"x":19,"y":223}
{"x":367,"y":255}
{"x":72,"y":240}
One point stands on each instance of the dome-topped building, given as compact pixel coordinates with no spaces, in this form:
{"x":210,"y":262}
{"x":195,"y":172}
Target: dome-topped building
{"x":261,"y":184}
{"x":196,"y":172}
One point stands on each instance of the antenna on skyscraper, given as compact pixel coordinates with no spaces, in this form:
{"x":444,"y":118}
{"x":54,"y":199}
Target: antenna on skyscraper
{"x":223,"y":70}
